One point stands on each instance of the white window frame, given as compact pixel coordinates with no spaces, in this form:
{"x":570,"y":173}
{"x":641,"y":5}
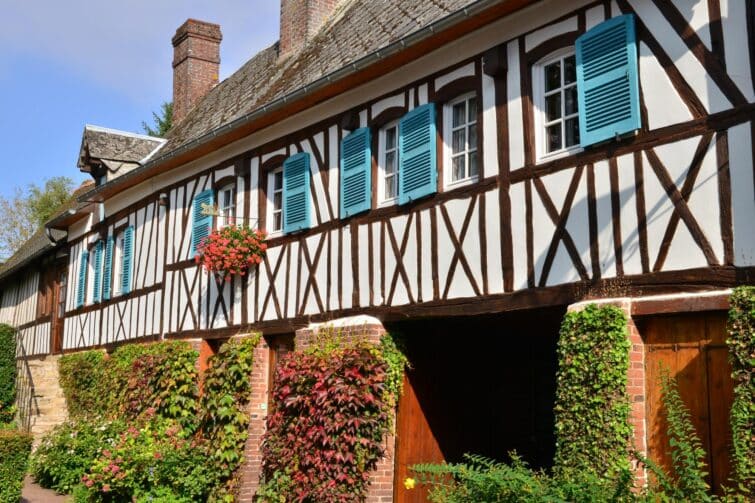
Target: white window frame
{"x":271,"y":211}
{"x":117,"y":268}
{"x":222,"y":220}
{"x":382,"y":152}
{"x":448,"y":181}
{"x":538,"y":93}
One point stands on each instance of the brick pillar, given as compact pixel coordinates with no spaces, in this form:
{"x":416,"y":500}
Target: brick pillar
{"x":636,"y":390}
{"x":635,"y":382}
{"x":371,"y":330}
{"x":252,"y":467}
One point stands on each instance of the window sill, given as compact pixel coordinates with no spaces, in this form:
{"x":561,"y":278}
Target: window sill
{"x":460,"y":183}
{"x":541,"y":159}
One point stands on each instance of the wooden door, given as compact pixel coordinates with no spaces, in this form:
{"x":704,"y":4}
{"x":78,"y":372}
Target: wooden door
{"x":58,"y":310}
{"x":415,"y":442}
{"x":692,"y":346}
{"x":279,"y":345}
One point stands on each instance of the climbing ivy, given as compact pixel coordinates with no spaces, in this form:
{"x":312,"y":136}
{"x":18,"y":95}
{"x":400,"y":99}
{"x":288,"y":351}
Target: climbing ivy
{"x":592,"y":404}
{"x":7,"y":373}
{"x":224,"y":406}
{"x":741,"y":343}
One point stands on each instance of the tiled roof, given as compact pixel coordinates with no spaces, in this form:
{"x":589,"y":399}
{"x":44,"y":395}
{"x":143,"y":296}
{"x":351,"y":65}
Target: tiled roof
{"x":38,"y":244}
{"x":104,"y":143}
{"x":356,"y":29}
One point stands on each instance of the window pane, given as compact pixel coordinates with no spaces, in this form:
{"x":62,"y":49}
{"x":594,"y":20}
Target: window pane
{"x":459,"y":114}
{"x":554,"y":137}
{"x":277,"y":200}
{"x":570,"y":70}
{"x":458,"y":142}
{"x":390,"y":163}
{"x":474,"y":170}
{"x":553,"y":107}
{"x":553,"y":76}
{"x":458,"y":169}
{"x":390,"y":138}
{"x":472,"y":137}
{"x":278,"y":180}
{"x":572,"y":132}
{"x":472,"y":112}
{"x":277,"y":221}
{"x":390,"y":187}
{"x":570,"y":100}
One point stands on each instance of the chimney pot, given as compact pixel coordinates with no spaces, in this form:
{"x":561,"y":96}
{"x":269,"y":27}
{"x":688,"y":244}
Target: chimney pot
{"x":196,"y":64}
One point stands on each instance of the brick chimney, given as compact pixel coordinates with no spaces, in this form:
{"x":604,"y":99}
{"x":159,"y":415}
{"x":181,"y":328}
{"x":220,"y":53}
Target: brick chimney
{"x":300,"y":21}
{"x":196,"y":63}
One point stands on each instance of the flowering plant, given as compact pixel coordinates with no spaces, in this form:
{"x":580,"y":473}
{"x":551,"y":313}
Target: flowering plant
{"x":231,"y":250}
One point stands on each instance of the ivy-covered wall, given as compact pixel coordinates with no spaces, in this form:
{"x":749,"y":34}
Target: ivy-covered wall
{"x":741,"y":343}
{"x":592,"y":404}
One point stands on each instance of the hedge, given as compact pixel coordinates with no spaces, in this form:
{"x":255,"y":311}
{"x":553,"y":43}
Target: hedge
{"x":14,"y":457}
{"x":7,"y":372}
{"x":592,"y":404}
{"x":741,"y":343}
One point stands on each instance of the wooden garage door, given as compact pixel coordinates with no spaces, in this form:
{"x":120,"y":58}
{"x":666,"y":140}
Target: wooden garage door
{"x":692,"y":346}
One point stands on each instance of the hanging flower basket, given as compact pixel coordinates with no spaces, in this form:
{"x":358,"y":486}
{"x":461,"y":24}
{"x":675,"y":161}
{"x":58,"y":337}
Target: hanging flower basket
{"x":231,"y":251}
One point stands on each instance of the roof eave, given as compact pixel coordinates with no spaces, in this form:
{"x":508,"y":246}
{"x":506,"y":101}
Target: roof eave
{"x":403,"y":50}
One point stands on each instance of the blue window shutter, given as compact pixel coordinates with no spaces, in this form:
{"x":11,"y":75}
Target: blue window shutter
{"x":607,"y":81}
{"x":97,"y":290}
{"x":107,"y":273}
{"x":82,"y":283}
{"x":201,"y":223}
{"x":356,"y":173}
{"x":417,"y":170}
{"x":296,"y":193}
{"x":128,"y":259}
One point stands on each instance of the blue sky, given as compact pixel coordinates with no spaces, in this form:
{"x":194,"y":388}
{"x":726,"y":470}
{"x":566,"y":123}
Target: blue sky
{"x":64,"y":64}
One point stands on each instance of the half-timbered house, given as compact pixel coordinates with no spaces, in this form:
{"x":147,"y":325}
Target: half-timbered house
{"x":460,"y":171}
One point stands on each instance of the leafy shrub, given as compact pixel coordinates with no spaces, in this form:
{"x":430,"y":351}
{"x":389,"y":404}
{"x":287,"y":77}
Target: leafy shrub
{"x":14,"y":456}
{"x":325,"y":433}
{"x":224,"y":404}
{"x":68,"y":451}
{"x":592,"y":404}
{"x":741,"y":343}
{"x":7,"y":373}
{"x":482,"y":479}
{"x":158,"y":458}
{"x":81,"y":376}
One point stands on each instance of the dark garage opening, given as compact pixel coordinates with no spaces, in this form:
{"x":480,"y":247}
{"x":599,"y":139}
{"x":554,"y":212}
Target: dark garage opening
{"x":483,"y":384}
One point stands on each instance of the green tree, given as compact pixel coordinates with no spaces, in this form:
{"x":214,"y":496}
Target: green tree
{"x":26,"y":211}
{"x":162,"y":121}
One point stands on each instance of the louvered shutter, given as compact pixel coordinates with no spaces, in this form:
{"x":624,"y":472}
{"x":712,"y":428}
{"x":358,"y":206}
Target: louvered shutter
{"x":107,"y":273}
{"x":128,"y":259}
{"x":296,"y":192}
{"x":82,"y":282}
{"x":356,"y":179}
{"x":201,"y":223}
{"x":607,"y":81}
{"x":417,"y":171}
{"x":97,"y":290}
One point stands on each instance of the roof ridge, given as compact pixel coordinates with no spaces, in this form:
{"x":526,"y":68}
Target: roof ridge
{"x":103,"y":129}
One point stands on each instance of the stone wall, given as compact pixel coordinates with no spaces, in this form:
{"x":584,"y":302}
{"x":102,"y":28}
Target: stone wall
{"x":40,"y":399}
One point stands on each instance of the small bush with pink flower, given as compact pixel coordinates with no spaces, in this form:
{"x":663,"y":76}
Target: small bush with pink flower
{"x":231,"y":251}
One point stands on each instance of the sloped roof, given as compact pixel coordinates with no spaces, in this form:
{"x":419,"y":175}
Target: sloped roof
{"x":110,"y":144}
{"x":39,"y":244}
{"x":357,"y":28}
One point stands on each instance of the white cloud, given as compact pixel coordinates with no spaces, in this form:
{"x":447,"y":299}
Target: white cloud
{"x":126,"y":46}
